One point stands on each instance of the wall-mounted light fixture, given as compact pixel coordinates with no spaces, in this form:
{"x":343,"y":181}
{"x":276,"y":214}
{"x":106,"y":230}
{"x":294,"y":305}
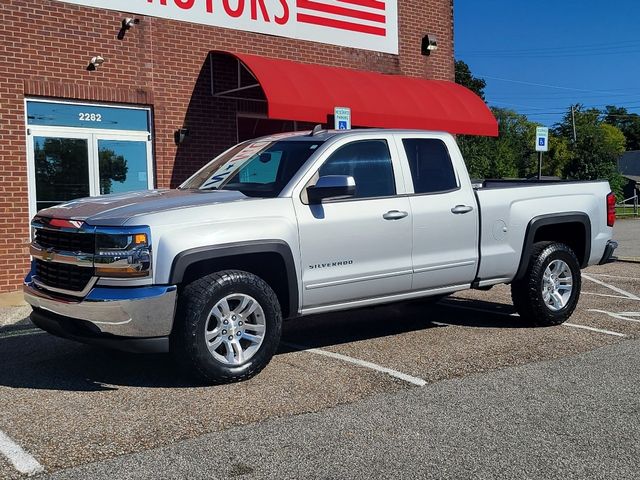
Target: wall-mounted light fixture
{"x":95,"y":62}
{"x":429,"y":44}
{"x":180,"y":135}
{"x":127,"y":23}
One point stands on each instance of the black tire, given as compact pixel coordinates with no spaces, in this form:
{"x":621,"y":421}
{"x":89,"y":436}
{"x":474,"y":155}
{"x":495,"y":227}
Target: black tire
{"x":527,"y":294}
{"x":195,"y":304}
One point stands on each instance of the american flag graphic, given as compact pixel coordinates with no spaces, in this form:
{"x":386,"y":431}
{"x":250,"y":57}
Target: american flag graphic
{"x":364,"y":16}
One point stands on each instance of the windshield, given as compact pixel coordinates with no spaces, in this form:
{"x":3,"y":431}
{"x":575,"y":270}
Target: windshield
{"x":257,"y":169}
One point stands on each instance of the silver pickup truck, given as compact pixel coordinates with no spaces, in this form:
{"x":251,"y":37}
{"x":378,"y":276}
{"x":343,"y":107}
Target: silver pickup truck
{"x":301,"y":223}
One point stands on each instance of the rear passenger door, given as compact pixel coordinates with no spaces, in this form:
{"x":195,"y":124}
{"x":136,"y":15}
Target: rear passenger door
{"x":358,"y":247}
{"x":444,"y":211}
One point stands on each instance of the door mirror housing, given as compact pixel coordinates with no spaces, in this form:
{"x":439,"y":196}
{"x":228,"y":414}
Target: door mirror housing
{"x":332,"y":187}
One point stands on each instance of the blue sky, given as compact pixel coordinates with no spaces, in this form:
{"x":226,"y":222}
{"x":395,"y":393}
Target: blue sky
{"x":540,"y":57}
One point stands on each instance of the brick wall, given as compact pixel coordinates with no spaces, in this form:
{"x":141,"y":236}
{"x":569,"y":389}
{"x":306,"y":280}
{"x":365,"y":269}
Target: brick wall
{"x":46,"y":45}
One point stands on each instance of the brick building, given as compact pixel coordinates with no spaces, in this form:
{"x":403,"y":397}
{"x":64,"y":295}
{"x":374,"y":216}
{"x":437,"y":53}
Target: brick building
{"x":148,"y":95}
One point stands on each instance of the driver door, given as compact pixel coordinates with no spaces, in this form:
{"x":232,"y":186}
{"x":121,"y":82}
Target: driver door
{"x":358,"y":247}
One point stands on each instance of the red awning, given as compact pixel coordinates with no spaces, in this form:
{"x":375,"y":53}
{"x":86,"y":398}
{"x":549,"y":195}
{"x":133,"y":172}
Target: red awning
{"x":306,"y":92}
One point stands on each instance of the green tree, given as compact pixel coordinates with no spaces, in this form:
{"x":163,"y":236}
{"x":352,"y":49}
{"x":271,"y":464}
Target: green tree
{"x":560,"y":155}
{"x":465,"y":78}
{"x":628,"y":123}
{"x":594,"y":154}
{"x":509,"y":155}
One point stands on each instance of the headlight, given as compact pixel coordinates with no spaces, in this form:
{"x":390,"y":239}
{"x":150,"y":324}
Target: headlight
{"x":123,"y":253}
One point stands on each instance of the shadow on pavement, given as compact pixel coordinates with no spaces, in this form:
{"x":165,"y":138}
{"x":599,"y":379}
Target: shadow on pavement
{"x":42,"y":361}
{"x":35,"y":360}
{"x":319,"y":331}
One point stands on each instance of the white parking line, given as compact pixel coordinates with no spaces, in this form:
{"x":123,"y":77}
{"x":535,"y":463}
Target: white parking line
{"x":594,"y":329}
{"x":571,"y":325}
{"x":619,"y":316}
{"x":362,"y":363}
{"x":606,"y":295}
{"x":21,"y":460}
{"x":611,"y":287}
{"x":21,"y":333}
{"x":612,"y":276}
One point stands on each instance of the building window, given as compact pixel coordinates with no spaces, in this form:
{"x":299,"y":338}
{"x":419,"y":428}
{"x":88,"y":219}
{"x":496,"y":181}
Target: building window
{"x":79,"y":150}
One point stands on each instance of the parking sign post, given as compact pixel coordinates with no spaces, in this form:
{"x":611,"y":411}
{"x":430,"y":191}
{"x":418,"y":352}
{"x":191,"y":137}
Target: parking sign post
{"x":542,"y":145}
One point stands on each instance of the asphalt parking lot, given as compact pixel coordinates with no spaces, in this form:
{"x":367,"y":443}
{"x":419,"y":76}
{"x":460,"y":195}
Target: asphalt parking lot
{"x":457,"y":389}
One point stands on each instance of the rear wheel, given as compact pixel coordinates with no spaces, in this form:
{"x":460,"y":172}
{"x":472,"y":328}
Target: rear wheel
{"x":228,"y":326}
{"x":549,"y":292}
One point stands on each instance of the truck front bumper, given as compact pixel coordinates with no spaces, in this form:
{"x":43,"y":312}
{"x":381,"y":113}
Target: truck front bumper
{"x":133,"y":319}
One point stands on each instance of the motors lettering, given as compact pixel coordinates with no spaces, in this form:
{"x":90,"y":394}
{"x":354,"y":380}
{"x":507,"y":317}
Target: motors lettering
{"x":236,"y":8}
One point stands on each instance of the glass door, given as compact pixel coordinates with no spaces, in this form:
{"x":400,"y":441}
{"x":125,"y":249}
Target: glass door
{"x":62,"y":168}
{"x":124,"y":164}
{"x":79,"y":150}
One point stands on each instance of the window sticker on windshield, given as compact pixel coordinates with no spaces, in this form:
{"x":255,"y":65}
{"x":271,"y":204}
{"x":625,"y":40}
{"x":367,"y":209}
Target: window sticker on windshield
{"x":234,"y":163}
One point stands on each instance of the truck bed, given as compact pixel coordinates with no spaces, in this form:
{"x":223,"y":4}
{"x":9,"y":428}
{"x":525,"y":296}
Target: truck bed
{"x":508,"y":206}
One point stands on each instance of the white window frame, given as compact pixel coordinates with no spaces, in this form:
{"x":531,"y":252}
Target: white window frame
{"x":92,"y":135}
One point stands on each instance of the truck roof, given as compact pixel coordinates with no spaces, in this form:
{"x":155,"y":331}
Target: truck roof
{"x":324,"y":135}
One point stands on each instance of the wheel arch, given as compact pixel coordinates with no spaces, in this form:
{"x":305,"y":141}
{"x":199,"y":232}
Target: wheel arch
{"x":571,"y":228}
{"x":271,"y":260}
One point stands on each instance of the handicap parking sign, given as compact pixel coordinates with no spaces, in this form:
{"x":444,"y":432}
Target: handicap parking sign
{"x":542,"y":139}
{"x":342,"y":118}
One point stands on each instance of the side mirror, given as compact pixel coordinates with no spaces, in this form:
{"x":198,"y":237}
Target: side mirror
{"x":331,"y":186}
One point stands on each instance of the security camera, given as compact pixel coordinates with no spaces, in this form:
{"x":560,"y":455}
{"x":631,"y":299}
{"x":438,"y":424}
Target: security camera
{"x":429,"y":43}
{"x":129,"y":22}
{"x":97,"y":61}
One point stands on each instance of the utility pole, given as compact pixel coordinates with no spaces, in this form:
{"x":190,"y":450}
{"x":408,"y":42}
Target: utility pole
{"x":573,"y":121}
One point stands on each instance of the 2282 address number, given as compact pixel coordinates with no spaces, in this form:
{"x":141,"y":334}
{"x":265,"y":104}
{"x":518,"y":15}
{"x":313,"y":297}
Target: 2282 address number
{"x":90,"y":117}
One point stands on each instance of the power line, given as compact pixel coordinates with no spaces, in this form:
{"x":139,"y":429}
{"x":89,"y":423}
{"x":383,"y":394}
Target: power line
{"x":609,"y":45}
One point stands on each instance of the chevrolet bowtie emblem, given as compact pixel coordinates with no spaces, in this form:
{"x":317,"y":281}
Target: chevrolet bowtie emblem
{"x":48,"y":255}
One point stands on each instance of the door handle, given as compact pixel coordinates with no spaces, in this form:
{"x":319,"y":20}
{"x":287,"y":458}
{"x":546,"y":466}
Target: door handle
{"x":461,"y":209}
{"x":394,"y":215}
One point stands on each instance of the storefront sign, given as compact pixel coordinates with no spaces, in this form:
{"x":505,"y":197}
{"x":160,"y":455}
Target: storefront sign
{"x":56,"y":114}
{"x":365,"y":24}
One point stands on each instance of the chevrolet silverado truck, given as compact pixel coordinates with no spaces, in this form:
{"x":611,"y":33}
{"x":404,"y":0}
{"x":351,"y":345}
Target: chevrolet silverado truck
{"x":304,"y":223}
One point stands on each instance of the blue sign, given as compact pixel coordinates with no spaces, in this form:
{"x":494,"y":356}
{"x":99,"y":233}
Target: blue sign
{"x":342,"y":125}
{"x":541,"y":142}
{"x":87,"y":116}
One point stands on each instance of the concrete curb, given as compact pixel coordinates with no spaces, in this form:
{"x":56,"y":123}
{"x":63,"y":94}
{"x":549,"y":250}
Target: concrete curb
{"x":12,"y":299}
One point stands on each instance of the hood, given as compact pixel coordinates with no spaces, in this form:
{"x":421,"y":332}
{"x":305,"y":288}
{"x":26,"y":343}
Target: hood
{"x":116,"y":209}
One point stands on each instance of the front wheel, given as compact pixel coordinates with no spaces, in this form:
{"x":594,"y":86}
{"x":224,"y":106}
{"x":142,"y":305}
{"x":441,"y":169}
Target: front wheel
{"x":549,"y":292}
{"x":228,"y":326}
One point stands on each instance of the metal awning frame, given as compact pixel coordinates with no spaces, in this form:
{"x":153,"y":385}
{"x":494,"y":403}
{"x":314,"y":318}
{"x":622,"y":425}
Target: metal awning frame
{"x":230,"y":94}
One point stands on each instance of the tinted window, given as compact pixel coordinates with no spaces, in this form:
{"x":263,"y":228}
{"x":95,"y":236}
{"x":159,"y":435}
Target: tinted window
{"x":430,"y":164}
{"x":369,"y":163}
